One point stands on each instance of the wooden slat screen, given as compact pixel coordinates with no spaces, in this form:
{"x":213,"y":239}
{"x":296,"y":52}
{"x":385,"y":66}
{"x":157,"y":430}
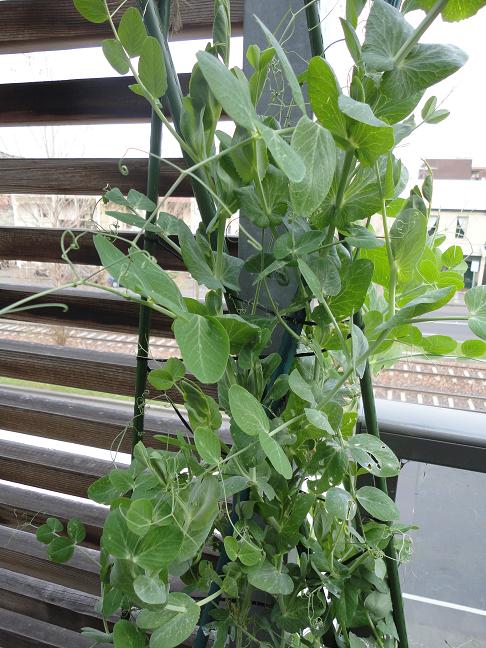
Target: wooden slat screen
{"x":41,"y":603}
{"x":57,"y":25}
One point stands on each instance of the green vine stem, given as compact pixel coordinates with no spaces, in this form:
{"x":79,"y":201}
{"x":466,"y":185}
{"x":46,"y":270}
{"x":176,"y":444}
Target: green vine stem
{"x":417,"y":34}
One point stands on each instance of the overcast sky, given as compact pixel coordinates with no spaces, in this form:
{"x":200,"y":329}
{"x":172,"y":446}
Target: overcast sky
{"x":461,"y":135}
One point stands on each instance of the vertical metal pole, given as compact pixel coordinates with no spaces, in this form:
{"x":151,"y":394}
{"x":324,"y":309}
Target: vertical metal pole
{"x":149,"y":240}
{"x":367,"y":394}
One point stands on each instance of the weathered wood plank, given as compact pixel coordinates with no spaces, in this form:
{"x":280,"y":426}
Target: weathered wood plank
{"x":24,"y":632}
{"x":86,"y":309}
{"x":112,"y":373}
{"x":74,"y":101}
{"x":59,"y":26}
{"x":85,"y":420}
{"x":52,"y":469}
{"x":21,"y":552}
{"x":48,"y":602}
{"x":44,"y":245}
{"x":82,"y":176}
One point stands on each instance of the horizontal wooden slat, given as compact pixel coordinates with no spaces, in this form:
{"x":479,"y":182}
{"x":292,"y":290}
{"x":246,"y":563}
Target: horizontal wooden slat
{"x":86,"y":308}
{"x":58,"y":26}
{"x":48,"y":602}
{"x":24,"y":632}
{"x":113,"y":373}
{"x":82,"y":176}
{"x":51,"y":469}
{"x":75,"y":101}
{"x":85,"y":420}
{"x":44,"y":245}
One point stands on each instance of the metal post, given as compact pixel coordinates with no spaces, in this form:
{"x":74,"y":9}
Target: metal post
{"x":149,"y":241}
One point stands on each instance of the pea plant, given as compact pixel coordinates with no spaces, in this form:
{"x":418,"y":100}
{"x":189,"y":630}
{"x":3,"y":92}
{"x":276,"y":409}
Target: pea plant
{"x":270,"y":502}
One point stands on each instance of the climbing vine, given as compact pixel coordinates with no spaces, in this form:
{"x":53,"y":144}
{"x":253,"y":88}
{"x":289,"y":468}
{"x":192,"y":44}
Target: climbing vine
{"x":270,"y":474}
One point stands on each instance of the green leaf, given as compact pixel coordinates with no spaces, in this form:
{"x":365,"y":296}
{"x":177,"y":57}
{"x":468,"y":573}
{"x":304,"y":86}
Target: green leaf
{"x":60,"y":549}
{"x":275,"y":455}
{"x":287,"y":69}
{"x":231,"y":547}
{"x":96,"y":636}
{"x":139,"y":516}
{"x":112,"y":601}
{"x":117,"y":540}
{"x":472,"y":349}
{"x":359,"y":111}
{"x":248,"y":553}
{"x":438,"y":344}
{"x":240,"y":332}
{"x":353,"y":10}
{"x":353,"y":293}
{"x":222,"y":29}
{"x":453,"y":11}
{"x":322,"y":278}
{"x":103,"y":491}
{"x":208,"y":445}
{"x":247,"y":411}
{"x":378,"y":604}
{"x":174,"y":627}
{"x":316,"y":147}
{"x":362,"y":237}
{"x":429,"y":301}
{"x":425,"y":64}
{"x":378,"y":52}
{"x":287,"y":159}
{"x":132,"y":32}
{"x":158,"y":548}
{"x":151,"y":67}
{"x":358,"y":642}
{"x":269,"y":579}
{"x":195,"y":261}
{"x":230,"y":91}
{"x":453,"y":256}
{"x":204,"y":345}
{"x":352,"y":41}
{"x":45,"y":534}
{"x":300,"y":386}
{"x":166,"y":376}
{"x":423,"y":67}
{"x":475,"y":300}
{"x":319,"y":420}
{"x":150,"y":590}
{"x":126,"y":635}
{"x":138,"y":200}
{"x":408,"y":236}
{"x":140,"y":273}
{"x":371,"y":453}
{"x":340,"y":504}
{"x":75,"y":530}
{"x":92,"y":10}
{"x":323,"y":94}
{"x":377,"y":503}
{"x":115,"y":55}
{"x":359,"y":346}
{"x":371,"y":142}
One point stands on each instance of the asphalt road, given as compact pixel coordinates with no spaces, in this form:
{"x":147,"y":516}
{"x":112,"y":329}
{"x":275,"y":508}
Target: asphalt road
{"x":444,"y":585}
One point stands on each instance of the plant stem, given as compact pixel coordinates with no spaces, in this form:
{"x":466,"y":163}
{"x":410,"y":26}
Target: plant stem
{"x":210,"y":598}
{"x":391,"y":559}
{"x":392,"y":285}
{"x":314,"y":28}
{"x":145,"y":313}
{"x":414,"y":38}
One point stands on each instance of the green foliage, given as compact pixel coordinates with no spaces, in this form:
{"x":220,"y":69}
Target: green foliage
{"x":325,"y":198}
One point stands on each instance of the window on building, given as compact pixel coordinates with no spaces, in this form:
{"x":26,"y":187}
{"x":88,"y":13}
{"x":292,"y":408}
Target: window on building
{"x":461,"y":227}
{"x":432,"y":225}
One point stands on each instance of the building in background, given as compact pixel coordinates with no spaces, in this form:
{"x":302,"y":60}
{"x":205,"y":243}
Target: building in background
{"x":459,"y":211}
